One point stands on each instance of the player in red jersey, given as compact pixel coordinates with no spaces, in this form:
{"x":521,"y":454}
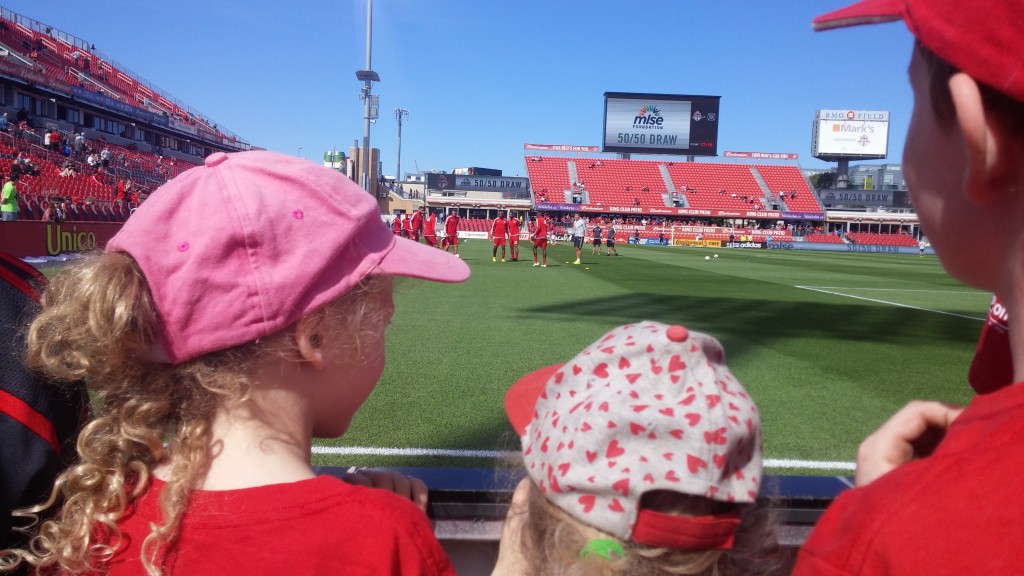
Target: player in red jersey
{"x":417,"y":225}
{"x":406,"y":226}
{"x":430,"y":230}
{"x":396,"y":225}
{"x":498,"y":233}
{"x":513,"y":237}
{"x":451,"y":231}
{"x":540,"y":240}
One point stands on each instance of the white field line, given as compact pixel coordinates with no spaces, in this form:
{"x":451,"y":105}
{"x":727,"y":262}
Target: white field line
{"x":975,"y":292}
{"x":824,"y":291}
{"x":773,"y":463}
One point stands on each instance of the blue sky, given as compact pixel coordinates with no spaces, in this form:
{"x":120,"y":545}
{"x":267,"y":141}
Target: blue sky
{"x":480,"y":78}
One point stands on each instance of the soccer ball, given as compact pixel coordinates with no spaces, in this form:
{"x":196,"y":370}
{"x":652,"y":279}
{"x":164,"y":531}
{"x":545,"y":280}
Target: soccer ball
{"x":716,"y":255}
{"x":707,"y":257}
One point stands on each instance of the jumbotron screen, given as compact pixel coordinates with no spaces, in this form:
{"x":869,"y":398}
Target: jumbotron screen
{"x":674,"y":124}
{"x":856,"y":134}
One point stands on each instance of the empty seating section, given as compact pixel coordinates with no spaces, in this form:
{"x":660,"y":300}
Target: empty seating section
{"x":882,"y":239}
{"x":823,"y":238}
{"x":784,"y":181}
{"x":705,"y":185}
{"x":549,"y":178}
{"x":622,"y":182}
{"x":717,"y":186}
{"x":82,"y":67}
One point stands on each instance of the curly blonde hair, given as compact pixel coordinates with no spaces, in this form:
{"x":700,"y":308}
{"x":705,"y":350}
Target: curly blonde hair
{"x":551,"y":542}
{"x":99,"y":323}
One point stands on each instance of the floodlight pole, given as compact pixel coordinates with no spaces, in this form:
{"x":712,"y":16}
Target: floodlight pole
{"x":367,"y":85}
{"x":399,"y":114}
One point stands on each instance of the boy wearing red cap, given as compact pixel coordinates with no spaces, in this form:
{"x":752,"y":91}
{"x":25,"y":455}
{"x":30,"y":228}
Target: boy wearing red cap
{"x":949,"y":507}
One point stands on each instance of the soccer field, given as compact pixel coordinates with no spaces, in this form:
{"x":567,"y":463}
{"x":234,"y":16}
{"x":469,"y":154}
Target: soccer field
{"x":828,"y":344}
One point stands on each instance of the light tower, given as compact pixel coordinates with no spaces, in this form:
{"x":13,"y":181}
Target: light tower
{"x":368,"y":77}
{"x":399,"y":114}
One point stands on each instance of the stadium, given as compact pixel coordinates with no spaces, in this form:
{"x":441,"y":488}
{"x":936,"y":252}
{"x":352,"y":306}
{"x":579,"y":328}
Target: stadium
{"x":831,"y":306}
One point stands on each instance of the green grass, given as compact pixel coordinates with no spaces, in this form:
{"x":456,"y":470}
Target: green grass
{"x":824,"y":368}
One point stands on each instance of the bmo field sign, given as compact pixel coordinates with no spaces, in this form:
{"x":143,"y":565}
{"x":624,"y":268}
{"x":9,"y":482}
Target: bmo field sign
{"x":850,"y":134}
{"x":661,"y":124}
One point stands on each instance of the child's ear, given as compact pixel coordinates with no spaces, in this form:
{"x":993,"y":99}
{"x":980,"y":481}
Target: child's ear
{"x":310,"y":340}
{"x":989,"y":148}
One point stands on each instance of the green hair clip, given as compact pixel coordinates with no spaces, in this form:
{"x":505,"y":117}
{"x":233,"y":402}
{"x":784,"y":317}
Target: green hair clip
{"x":607,"y":549}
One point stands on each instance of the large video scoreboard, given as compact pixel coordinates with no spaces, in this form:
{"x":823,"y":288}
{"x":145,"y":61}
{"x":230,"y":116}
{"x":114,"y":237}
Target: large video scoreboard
{"x":673,"y":124}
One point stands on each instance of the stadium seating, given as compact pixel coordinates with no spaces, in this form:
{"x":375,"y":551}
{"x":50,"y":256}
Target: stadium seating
{"x":824,"y":238}
{"x":699,"y":185}
{"x":875,"y":238}
{"x":789,"y":183}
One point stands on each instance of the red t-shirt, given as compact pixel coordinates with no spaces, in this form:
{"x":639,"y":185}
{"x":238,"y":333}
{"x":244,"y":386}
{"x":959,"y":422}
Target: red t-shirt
{"x":396,"y":225}
{"x":513,"y":228}
{"x":541,"y":233}
{"x":317,"y":526}
{"x":406,"y":224}
{"x":431,"y":225}
{"x":451,"y":225}
{"x":954,"y":512}
{"x":498,"y":228}
{"x":417,"y":222}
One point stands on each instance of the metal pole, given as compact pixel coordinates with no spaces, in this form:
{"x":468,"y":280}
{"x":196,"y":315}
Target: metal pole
{"x":365,"y":161}
{"x":399,"y":113}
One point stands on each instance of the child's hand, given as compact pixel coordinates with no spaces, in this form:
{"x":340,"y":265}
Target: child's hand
{"x":907,"y":435}
{"x":406,"y":487}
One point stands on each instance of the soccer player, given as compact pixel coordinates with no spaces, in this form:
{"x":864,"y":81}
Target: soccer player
{"x":417,"y":225}
{"x":610,"y":242}
{"x":539,"y":236}
{"x":579,"y":231}
{"x":430,"y":230}
{"x":498,"y":234}
{"x":451,"y":231}
{"x":396,"y":225}
{"x":596,"y":244}
{"x":406,"y":226}
{"x":513,"y":237}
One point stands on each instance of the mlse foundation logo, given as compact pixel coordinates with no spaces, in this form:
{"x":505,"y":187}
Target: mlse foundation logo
{"x":649,"y":118}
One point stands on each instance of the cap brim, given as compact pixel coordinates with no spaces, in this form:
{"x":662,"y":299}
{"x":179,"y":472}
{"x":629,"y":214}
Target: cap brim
{"x":864,"y":12}
{"x":521,"y":398}
{"x":415,"y":260}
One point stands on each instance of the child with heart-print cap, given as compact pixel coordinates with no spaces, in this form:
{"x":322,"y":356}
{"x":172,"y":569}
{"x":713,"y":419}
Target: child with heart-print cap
{"x":643,"y":456}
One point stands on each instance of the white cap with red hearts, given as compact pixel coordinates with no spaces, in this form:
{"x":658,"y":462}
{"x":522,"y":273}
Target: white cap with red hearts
{"x":647,"y":407}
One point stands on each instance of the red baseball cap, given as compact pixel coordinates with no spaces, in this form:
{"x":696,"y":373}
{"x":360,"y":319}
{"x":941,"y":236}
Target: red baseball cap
{"x":981,"y":38}
{"x":248,"y":243}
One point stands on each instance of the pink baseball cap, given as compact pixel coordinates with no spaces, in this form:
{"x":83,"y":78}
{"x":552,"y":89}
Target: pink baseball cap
{"x":647,"y":407}
{"x":248,"y":243}
{"x":981,"y":37}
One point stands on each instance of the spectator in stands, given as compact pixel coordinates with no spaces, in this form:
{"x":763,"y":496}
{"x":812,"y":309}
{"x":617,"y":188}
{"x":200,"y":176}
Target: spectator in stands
{"x":105,"y":157}
{"x":68,"y":169}
{"x":124,"y":188}
{"x":79,"y":143}
{"x":93,"y":161}
{"x":5,"y":124}
{"x":937,"y":488}
{"x":9,"y":199}
{"x":599,"y":498}
{"x":208,"y":424}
